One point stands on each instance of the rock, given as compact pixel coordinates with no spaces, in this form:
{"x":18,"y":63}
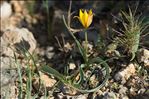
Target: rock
{"x":80,"y":97}
{"x":43,"y":97}
{"x":8,"y":76}
{"x":133,"y":91}
{"x":19,"y":18}
{"x":5,"y":10}
{"x":141,"y":91}
{"x":72,"y":66}
{"x":61,"y":96}
{"x":111,"y":50}
{"x":122,"y":92}
{"x":15,"y":20}
{"x":8,"y":92}
{"x":110,"y":95}
{"x":67,"y":47}
{"x":67,"y":90}
{"x":15,"y":40}
{"x":47,"y":81}
{"x":66,"y":96}
{"x":143,"y":57}
{"x":18,"y":6}
{"x":49,"y":53}
{"x":125,"y":73}
{"x":125,"y":97}
{"x":5,"y":13}
{"x":122,"y":89}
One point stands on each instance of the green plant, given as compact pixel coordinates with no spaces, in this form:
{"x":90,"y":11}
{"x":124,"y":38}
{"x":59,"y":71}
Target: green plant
{"x":133,"y":27}
{"x":20,"y":77}
{"x":29,"y":71}
{"x":90,"y":63}
{"x":49,"y":19}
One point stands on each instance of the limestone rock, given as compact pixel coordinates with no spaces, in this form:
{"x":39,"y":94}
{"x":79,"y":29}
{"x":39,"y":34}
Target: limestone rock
{"x":49,"y":53}
{"x":15,"y":40}
{"x":5,"y":10}
{"x":110,"y":95}
{"x":47,"y":81}
{"x":5,"y":13}
{"x":17,"y":5}
{"x":125,"y":74}
{"x":143,"y":57}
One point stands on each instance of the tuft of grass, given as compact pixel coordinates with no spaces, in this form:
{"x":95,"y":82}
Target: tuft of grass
{"x":49,"y":19}
{"x":31,"y":71}
{"x":133,"y":28}
{"x":19,"y":69}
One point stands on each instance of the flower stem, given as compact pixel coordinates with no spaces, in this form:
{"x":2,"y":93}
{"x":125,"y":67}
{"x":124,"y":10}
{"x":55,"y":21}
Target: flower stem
{"x":86,"y":45}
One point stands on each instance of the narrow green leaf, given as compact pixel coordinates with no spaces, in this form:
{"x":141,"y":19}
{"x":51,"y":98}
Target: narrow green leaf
{"x":81,"y":74}
{"x":55,"y":73}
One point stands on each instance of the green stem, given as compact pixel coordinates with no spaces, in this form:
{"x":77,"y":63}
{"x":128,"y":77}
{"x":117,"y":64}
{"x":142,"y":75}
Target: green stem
{"x":48,"y":20}
{"x":49,"y":70}
{"x":86,"y":46}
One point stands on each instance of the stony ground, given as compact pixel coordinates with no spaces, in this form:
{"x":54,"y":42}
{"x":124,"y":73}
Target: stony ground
{"x":23,"y":27}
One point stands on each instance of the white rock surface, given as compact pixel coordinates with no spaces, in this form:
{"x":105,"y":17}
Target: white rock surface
{"x":12,"y":41}
{"x":17,"y":39}
{"x":5,"y":10}
{"x":5,"y":14}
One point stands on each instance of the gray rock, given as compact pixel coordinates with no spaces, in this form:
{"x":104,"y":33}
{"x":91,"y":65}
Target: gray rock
{"x":8,"y":92}
{"x":80,"y":97}
{"x":125,"y":74}
{"x":8,"y":76}
{"x":13,"y":41}
{"x":5,"y":13}
{"x":16,"y":40}
{"x":49,"y":52}
{"x":141,"y":91}
{"x":122,"y":89}
{"x":110,"y":95}
{"x":143,"y":57}
{"x":122,"y":92}
{"x":124,"y":97}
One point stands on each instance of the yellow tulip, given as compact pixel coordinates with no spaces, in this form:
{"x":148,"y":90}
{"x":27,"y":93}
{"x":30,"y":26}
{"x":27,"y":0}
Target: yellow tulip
{"x":85,"y":18}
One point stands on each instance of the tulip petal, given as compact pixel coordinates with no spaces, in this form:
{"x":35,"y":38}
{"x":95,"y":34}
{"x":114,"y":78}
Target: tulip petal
{"x":89,"y":21}
{"x":85,"y":19}
{"x":90,"y":12}
{"x":81,"y":14}
{"x":81,"y":17}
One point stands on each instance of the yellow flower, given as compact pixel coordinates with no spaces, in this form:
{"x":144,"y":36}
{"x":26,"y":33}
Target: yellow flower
{"x":85,"y":18}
